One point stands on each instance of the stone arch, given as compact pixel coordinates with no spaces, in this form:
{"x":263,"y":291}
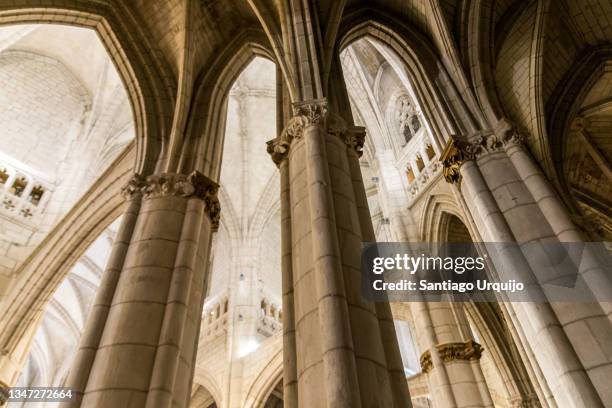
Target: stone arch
{"x":564,"y":106}
{"x":261,"y":387}
{"x":146,"y":77}
{"x":204,"y":380}
{"x":489,"y":321}
{"x":47,"y":267}
{"x":432,"y":83}
{"x":435,"y":215}
{"x":203,"y":148}
{"x":477,"y":44}
{"x":202,"y":398}
{"x":491,"y":325}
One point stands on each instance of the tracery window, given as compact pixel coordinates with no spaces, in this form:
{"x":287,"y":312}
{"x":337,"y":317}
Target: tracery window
{"x":415,"y":123}
{"x":405,"y":111}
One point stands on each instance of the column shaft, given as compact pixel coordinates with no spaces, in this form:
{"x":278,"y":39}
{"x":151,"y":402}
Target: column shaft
{"x":290,"y":380}
{"x":94,"y":326}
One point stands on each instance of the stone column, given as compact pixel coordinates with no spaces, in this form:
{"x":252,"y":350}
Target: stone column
{"x":554,"y":351}
{"x":557,"y":216}
{"x":340,"y":355}
{"x":355,"y":139}
{"x":94,"y":326}
{"x":140,"y":342}
{"x":279,"y":151}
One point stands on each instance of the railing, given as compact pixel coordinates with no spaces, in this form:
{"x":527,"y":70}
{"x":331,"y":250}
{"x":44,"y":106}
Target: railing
{"x":22,"y":195}
{"x":214,"y":317}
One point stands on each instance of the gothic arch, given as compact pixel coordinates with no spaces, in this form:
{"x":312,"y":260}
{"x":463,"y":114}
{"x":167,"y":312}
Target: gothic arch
{"x":435,"y":214}
{"x":492,"y":327}
{"x":489,"y":322}
{"x":265,"y":382}
{"x":433,"y":86}
{"x":205,"y":380}
{"x":147,"y":79}
{"x":206,"y":130}
{"x":46,"y":268}
{"x":477,"y":42}
{"x":564,"y":106}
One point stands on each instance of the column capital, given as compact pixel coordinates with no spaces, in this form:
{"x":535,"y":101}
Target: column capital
{"x":449,"y":352}
{"x":134,"y":187}
{"x":454,"y":155}
{"x":468,"y":351}
{"x":4,"y":393}
{"x":313,"y":111}
{"x":194,"y":185}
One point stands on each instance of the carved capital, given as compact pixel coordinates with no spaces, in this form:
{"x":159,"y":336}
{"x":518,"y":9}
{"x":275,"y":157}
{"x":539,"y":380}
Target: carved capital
{"x":468,"y":351}
{"x":355,"y":139}
{"x":508,"y":134}
{"x":484,"y":143}
{"x":313,"y":111}
{"x":472,"y":350}
{"x":4,"y":392}
{"x":207,"y":190}
{"x":531,"y":401}
{"x":194,"y":185}
{"x":133,"y":187}
{"x":426,"y":363}
{"x":454,"y":155}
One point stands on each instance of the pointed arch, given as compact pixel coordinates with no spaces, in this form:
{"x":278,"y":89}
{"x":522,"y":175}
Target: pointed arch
{"x":206,"y":130}
{"x":439,"y":98}
{"x":148,"y":80}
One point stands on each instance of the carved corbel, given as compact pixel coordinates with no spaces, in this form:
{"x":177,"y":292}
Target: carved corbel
{"x":454,"y":155}
{"x":354,"y":138}
{"x":426,"y":363}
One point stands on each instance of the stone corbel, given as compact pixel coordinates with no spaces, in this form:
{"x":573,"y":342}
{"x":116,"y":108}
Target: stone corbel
{"x":449,"y":352}
{"x":454,"y":155}
{"x":426,"y":363}
{"x":354,"y":137}
{"x":468,"y":351}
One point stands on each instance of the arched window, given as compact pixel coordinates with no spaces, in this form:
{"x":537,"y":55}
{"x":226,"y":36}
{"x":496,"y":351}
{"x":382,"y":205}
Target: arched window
{"x":420,"y":163}
{"x":410,"y":174}
{"x":406,"y":133}
{"x":430,"y":152}
{"x":415,"y":123}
